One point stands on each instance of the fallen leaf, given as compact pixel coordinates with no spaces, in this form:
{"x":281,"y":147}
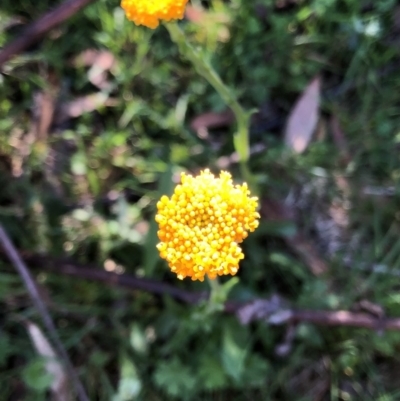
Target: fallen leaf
{"x":264,"y":309}
{"x":100,"y":62}
{"x":195,"y":14}
{"x":59,"y":385}
{"x":372,"y":308}
{"x":86,"y":104}
{"x":44,"y":107}
{"x":224,"y":162}
{"x":303,"y":118}
{"x":103,"y":59}
{"x":210,"y":21}
{"x":212,"y":120}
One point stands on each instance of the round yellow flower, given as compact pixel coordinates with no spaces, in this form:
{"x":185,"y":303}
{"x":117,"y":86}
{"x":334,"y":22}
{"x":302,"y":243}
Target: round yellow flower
{"x":203,"y":223}
{"x":150,"y":12}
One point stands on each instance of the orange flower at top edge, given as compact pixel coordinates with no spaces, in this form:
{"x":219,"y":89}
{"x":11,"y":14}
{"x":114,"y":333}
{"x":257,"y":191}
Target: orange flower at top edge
{"x":203,"y":223}
{"x":150,"y":12}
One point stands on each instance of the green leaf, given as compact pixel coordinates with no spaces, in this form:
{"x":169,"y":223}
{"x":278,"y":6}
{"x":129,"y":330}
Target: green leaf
{"x":386,"y":344}
{"x":256,"y":372}
{"x":129,"y":385}
{"x":175,"y":378}
{"x":99,"y":358}
{"x":233,"y":354}
{"x":36,"y":376}
{"x":138,"y":339}
{"x":309,"y":334}
{"x":211,"y":373}
{"x":288,"y":265}
{"x":132,"y":109}
{"x":78,"y":164}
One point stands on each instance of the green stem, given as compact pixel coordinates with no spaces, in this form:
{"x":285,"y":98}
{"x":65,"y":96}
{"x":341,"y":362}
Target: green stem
{"x":219,"y":293}
{"x":241,"y":137}
{"x":215,"y":301}
{"x":215,"y":288}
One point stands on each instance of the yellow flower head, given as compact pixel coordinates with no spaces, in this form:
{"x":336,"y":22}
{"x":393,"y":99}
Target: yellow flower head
{"x":150,"y":12}
{"x":203,"y":223}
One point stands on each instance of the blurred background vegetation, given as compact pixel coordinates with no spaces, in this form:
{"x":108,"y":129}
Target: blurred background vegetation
{"x":98,"y":119}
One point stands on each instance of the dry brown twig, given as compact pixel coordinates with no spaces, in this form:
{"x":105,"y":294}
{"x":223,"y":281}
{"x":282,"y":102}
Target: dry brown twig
{"x":32,"y":289}
{"x":93,"y":273}
{"x":274,"y":310}
{"x":345,"y":318}
{"x":41,"y":26}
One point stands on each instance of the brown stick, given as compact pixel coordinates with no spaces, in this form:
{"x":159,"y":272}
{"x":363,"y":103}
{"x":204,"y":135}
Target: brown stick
{"x":71,"y":268}
{"x":38,"y":28}
{"x":30,"y":285}
{"x":321,"y":318}
{"x":345,"y":318}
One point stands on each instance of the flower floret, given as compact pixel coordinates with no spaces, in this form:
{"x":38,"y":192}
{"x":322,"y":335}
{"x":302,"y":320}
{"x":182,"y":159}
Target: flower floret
{"x":203,"y":223}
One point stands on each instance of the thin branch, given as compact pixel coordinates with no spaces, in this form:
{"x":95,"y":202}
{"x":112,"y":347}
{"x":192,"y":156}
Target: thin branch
{"x":41,"y":26}
{"x":345,"y":318}
{"x":23,"y":271}
{"x":277,"y":311}
{"x":265,"y":309}
{"x":94,"y":273}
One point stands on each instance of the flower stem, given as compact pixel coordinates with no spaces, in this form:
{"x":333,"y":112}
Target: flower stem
{"x":216,"y":300}
{"x":215,"y":288}
{"x":241,"y":137}
{"x":219,"y":293}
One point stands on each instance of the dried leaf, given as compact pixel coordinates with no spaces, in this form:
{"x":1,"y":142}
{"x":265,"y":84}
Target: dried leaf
{"x":373,"y":308}
{"x":212,"y":120}
{"x":103,"y":59}
{"x":264,"y":309}
{"x":86,"y":104}
{"x":44,"y":107}
{"x":99,"y":62}
{"x":59,"y":385}
{"x":195,"y":14}
{"x":205,"y":17}
{"x":211,"y":22}
{"x":303,"y":118}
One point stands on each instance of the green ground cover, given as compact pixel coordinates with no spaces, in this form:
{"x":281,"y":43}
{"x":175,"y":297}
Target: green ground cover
{"x":98,"y":119}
